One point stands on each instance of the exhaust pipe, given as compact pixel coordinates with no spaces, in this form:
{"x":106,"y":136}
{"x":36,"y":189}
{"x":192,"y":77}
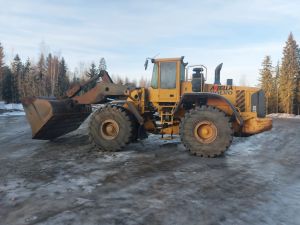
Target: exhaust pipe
{"x":217,"y":74}
{"x":229,"y":82}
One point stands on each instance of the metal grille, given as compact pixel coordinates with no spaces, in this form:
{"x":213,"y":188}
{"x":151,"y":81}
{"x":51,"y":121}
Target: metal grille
{"x":240,"y":100}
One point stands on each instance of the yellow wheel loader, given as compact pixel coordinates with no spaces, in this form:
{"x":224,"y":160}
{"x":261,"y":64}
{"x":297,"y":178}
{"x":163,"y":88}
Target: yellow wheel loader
{"x":179,"y":101}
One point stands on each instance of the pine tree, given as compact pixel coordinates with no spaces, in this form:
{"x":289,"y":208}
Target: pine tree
{"x":16,"y":69}
{"x":102,"y":64}
{"x":288,"y":74}
{"x":7,"y":85}
{"x":266,"y":82}
{"x":1,"y":69}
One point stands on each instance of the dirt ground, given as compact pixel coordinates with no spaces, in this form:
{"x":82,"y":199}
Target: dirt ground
{"x":152,"y":182}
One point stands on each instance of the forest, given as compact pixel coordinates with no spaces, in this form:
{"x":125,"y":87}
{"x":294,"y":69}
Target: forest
{"x":50,"y":77}
{"x":281,"y":83}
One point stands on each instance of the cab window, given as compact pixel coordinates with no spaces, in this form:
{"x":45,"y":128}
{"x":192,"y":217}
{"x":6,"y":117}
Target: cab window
{"x":168,"y":75}
{"x":154,"y":77}
{"x":182,"y":72}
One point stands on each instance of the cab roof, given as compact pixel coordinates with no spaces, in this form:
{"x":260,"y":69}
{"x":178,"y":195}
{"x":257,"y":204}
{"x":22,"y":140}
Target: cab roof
{"x":168,"y":59}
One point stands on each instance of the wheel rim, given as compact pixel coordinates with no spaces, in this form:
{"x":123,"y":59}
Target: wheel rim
{"x":205,"y":132}
{"x":109,"y":129}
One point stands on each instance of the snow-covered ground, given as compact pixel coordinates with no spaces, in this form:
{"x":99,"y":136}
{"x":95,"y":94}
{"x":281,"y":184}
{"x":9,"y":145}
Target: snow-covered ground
{"x":11,"y":109}
{"x":154,"y":181}
{"x":283,"y":115}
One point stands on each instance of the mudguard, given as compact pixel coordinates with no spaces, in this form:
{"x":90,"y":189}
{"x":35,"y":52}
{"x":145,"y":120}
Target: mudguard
{"x":201,"y":99}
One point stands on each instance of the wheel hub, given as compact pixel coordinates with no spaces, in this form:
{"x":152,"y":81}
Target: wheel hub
{"x":109,"y":129}
{"x":205,"y":132}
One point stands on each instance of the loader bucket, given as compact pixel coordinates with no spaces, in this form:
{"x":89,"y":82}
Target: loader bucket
{"x":51,"y":118}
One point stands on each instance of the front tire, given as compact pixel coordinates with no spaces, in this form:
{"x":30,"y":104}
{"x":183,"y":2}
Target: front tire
{"x":111,"y":128}
{"x":206,"y":131}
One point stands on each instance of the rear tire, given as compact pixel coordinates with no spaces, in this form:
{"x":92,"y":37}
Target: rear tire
{"x":206,"y":131}
{"x":111,"y":128}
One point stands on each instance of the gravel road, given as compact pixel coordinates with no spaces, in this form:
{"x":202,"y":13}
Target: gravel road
{"x":153,"y":182}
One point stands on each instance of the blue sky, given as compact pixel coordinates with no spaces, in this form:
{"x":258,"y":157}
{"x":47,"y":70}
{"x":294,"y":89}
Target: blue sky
{"x":237,"y":33}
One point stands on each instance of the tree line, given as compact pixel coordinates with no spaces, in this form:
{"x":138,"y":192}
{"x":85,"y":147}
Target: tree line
{"x":49,"y":77}
{"x":281,"y":83}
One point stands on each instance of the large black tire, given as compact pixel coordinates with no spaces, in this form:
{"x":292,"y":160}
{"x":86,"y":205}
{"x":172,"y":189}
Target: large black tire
{"x":111,"y":128}
{"x":206,"y":131}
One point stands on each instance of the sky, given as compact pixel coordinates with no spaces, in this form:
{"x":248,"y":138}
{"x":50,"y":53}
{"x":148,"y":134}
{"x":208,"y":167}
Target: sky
{"x":238,"y":33}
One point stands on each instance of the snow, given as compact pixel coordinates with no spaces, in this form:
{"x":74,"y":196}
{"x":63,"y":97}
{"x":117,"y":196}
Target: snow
{"x":11,"y":106}
{"x":14,"y":113}
{"x":62,"y":182}
{"x":12,"y":109}
{"x":284,"y":115}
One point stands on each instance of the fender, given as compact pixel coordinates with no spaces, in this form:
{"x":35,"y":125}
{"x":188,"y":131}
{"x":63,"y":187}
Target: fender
{"x":201,"y":99}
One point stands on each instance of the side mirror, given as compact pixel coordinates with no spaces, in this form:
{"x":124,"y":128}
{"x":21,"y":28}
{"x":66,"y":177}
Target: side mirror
{"x":146,"y":64}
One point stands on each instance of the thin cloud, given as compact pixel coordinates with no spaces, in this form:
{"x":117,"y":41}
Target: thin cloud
{"x":125,"y":32}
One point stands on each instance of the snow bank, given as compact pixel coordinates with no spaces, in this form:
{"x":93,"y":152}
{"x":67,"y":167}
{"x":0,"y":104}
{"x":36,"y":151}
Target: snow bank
{"x":11,"y":109}
{"x":11,"y":106}
{"x":283,"y":115}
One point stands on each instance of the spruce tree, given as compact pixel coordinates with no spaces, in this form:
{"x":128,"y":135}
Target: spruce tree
{"x":276,"y":88}
{"x":90,"y":74}
{"x":63,"y":80}
{"x":27,"y":88}
{"x":7,"y":85}
{"x":296,"y":108}
{"x":102,"y":64}
{"x":40,"y":77}
{"x":288,"y":73}
{"x":49,"y":74}
{"x":1,"y":69}
{"x":75,"y":79}
{"x":266,"y":82}
{"x":16,"y":69}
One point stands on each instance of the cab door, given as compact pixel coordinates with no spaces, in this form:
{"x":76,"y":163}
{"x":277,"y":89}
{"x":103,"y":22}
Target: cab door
{"x":169,"y":82}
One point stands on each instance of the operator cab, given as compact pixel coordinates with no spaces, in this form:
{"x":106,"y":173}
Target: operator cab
{"x":166,"y":72}
{"x":169,"y":74}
